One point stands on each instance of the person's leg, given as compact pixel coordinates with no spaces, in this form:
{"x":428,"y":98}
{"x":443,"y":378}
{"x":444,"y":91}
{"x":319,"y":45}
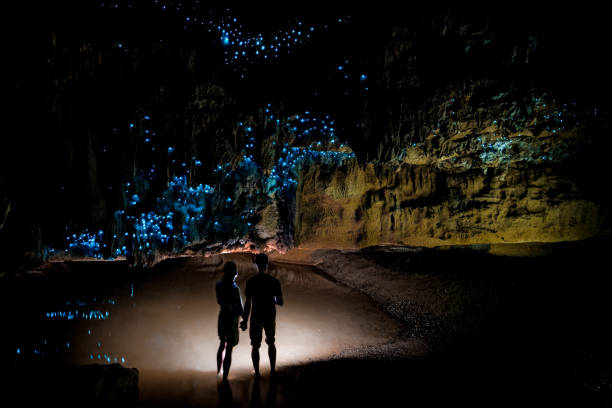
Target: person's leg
{"x":255,"y":358}
{"x":222,"y":340}
{"x":272,"y":355}
{"x":227,"y":361}
{"x":270,"y":329}
{"x":255,"y":330}
{"x":220,"y":355}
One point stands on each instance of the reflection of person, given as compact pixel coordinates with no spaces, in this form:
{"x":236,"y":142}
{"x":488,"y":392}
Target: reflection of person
{"x":228,"y":297}
{"x":270,"y":395}
{"x":263,"y":293}
{"x":225,"y":395}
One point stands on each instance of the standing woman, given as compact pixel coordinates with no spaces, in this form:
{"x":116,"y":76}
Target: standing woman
{"x":228,"y":297}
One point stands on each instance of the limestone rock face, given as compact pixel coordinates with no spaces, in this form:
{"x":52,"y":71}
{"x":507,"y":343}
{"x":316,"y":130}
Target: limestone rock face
{"x":471,"y":136}
{"x":356,"y":206}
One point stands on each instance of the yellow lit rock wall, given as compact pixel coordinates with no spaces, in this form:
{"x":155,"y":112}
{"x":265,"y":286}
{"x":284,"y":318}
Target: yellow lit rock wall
{"x":421,"y":204}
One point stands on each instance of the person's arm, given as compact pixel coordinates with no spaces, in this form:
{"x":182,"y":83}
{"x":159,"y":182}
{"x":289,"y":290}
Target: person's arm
{"x":247,"y":312}
{"x":279,"y":295}
{"x":247,"y":307}
{"x":239,"y":302}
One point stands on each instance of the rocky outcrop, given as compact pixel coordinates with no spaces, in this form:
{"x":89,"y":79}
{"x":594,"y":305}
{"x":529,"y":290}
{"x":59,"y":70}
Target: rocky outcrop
{"x":470,"y":135}
{"x":417,"y":205}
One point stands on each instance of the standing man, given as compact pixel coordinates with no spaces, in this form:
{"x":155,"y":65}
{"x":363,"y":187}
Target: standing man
{"x":263,"y":293}
{"x":228,"y":297}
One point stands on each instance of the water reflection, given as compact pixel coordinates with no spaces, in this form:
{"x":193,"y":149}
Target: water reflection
{"x":225,"y":394}
{"x":270,"y":401}
{"x":165,"y":320}
{"x":69,"y":330}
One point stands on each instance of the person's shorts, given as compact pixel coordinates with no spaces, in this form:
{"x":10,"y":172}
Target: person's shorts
{"x":227,"y":328}
{"x":255,"y":331}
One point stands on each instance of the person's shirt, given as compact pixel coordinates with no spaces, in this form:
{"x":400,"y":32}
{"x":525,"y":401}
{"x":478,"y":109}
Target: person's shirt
{"x":228,"y":297}
{"x":264,"y":291}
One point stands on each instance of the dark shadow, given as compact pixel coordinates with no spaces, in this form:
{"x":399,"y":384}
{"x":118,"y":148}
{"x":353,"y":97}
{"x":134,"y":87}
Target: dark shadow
{"x":272,"y":392}
{"x":256,"y":401}
{"x":256,"y":394}
{"x":225,"y":394}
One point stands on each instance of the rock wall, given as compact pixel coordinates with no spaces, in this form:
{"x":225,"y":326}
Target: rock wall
{"x":427,"y":128}
{"x":470,"y":135}
{"x":356,"y":206}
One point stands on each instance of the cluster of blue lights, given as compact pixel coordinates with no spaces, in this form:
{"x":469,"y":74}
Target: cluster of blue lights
{"x":121,"y":47}
{"x":147,"y":133}
{"x":42,"y":349}
{"x":184,"y":214}
{"x":86,"y":244}
{"x":241,"y":46}
{"x":503,"y":151}
{"x":556,"y":117}
{"x":351,"y":77}
{"x":110,"y":359}
{"x":78,"y":314}
{"x":308,"y":126}
{"x":77,"y":311}
{"x":523,"y":132}
{"x":284,"y":175}
{"x":321,"y":145}
{"x":149,"y":137}
{"x":500,"y":151}
{"x":178,"y":219}
{"x":538,"y":114}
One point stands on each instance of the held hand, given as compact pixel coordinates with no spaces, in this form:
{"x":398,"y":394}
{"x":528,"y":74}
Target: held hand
{"x":243,"y":325}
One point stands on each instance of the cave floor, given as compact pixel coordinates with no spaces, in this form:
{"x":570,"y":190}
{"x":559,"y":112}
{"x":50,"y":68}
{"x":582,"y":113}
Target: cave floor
{"x":542,"y":340}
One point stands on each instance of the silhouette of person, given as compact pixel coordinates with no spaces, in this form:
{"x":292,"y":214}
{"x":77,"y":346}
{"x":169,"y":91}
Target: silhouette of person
{"x":263,"y":293}
{"x":228,"y":297}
